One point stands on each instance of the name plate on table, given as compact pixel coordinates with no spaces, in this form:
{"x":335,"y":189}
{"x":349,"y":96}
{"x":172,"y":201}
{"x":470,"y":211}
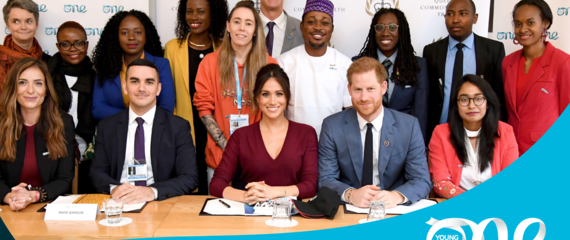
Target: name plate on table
{"x":72,"y":212}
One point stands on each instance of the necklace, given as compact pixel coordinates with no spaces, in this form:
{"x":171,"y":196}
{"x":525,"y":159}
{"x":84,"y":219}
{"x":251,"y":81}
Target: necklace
{"x":472,"y":133}
{"x":199,"y":45}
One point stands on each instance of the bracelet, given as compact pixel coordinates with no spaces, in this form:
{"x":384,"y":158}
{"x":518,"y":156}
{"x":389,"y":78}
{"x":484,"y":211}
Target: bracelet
{"x":42,"y":192}
{"x":349,"y":193}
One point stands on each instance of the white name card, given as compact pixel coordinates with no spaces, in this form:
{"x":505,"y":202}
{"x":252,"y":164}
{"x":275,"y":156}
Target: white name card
{"x":72,"y":212}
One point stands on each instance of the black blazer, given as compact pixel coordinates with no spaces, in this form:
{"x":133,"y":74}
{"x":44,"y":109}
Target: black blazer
{"x":57,"y":175}
{"x":172,"y":154}
{"x":489,"y":55}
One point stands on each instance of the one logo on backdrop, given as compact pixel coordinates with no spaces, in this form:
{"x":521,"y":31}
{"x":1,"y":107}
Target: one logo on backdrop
{"x":174,"y":9}
{"x":479,"y":229}
{"x":74,"y":8}
{"x":51,"y":31}
{"x":511,"y":36}
{"x":46,"y":52}
{"x":7,"y":31}
{"x":374,"y":6}
{"x":93,"y":31}
{"x":562,"y":11}
{"x":112,"y":8}
{"x":42,"y":7}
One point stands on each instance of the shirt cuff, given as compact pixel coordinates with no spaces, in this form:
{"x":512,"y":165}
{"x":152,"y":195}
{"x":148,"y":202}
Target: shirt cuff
{"x":155,"y":193}
{"x":406,"y":200}
{"x":111,"y":186}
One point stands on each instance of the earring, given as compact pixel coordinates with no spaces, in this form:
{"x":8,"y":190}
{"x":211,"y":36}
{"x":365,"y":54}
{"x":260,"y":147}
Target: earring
{"x":515,"y":41}
{"x":544,"y":36}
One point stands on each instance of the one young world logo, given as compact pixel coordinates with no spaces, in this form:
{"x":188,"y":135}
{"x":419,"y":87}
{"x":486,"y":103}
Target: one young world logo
{"x":478,"y":229}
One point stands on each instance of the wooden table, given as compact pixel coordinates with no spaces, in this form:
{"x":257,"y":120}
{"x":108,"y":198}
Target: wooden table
{"x":173,"y":217}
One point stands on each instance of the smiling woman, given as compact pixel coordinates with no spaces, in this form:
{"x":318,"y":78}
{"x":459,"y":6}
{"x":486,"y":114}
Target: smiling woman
{"x":127,"y":36}
{"x":21,"y":18}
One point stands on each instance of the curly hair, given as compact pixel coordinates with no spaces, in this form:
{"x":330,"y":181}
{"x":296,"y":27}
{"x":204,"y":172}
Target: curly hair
{"x":108,"y":54}
{"x":406,"y":61}
{"x":218,"y":18}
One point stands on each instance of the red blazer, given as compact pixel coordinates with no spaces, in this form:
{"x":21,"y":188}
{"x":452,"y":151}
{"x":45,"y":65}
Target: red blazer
{"x":444,"y":168}
{"x":546,"y":94}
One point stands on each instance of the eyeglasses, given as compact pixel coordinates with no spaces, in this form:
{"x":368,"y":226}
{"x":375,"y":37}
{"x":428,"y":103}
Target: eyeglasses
{"x":464,"y":101}
{"x":78,"y":45}
{"x":392,"y":27}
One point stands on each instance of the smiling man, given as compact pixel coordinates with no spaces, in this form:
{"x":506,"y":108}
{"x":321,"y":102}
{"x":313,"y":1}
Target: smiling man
{"x":282,"y":32}
{"x":446,"y":65}
{"x":369,"y":152}
{"x":144,"y":153}
{"x":317,"y":73}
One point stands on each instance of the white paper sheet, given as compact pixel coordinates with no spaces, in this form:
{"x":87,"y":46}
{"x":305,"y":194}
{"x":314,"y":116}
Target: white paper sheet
{"x":71,"y":198}
{"x":400,"y":209}
{"x":214,"y":207}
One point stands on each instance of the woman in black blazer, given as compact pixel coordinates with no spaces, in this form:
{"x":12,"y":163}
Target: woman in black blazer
{"x":389,"y":40}
{"x":37,"y":145}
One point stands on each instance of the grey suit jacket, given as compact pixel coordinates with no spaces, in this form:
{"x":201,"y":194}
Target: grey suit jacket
{"x":402,"y":163}
{"x":293,"y":36}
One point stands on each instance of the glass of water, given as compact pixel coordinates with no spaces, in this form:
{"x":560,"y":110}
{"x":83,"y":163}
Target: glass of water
{"x":376,"y":211}
{"x":282,"y":212}
{"x":113,"y":210}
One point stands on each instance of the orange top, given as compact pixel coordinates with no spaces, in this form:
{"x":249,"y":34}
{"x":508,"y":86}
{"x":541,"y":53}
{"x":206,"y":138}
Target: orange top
{"x":210,"y":101}
{"x":522,"y":77}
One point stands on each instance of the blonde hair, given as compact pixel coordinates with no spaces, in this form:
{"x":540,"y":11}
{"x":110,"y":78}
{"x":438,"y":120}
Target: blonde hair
{"x":49,"y":126}
{"x":256,"y":59}
{"x":365,"y":64}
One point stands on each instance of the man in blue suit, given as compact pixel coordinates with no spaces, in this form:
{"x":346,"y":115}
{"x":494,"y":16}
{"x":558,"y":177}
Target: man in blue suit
{"x":369,"y":152}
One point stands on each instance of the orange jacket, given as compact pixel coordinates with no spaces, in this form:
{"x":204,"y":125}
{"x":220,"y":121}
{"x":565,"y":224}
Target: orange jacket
{"x":446,"y":168}
{"x":210,"y":101}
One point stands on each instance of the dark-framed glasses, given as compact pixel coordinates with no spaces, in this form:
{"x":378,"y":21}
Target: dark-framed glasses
{"x":392,"y":27}
{"x":77,"y":44}
{"x":464,"y":101}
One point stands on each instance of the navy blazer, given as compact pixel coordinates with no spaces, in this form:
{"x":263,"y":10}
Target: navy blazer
{"x":402,"y":163}
{"x":57,"y":175}
{"x":171,"y":148}
{"x":108,"y":98}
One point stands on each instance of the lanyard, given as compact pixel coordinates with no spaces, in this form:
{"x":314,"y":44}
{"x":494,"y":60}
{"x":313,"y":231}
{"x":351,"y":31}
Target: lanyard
{"x":238,"y":87}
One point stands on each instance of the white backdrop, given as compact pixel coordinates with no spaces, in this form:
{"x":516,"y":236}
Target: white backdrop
{"x":91,"y":14}
{"x":559,"y":33}
{"x":352,"y":19}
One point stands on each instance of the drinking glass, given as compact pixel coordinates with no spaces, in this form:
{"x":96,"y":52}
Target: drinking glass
{"x":282,"y":212}
{"x":113,"y":210}
{"x":376,"y":211}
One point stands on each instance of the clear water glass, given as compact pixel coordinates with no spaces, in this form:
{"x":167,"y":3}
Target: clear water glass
{"x":376,"y":211}
{"x":113,"y":210}
{"x":282,"y":212}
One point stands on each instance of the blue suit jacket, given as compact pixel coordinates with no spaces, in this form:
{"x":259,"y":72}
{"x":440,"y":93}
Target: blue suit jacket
{"x":108,"y":98}
{"x":402,"y":165}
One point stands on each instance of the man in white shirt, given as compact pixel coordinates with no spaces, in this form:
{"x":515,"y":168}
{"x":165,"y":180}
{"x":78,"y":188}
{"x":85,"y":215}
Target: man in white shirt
{"x":317,"y":73}
{"x":144,"y":153}
{"x":282,"y":32}
{"x":369,"y":152}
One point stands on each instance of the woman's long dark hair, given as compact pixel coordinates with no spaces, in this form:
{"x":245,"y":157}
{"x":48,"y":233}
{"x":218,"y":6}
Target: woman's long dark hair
{"x":218,"y":17}
{"x":108,"y":54}
{"x":406,"y":62}
{"x":489,"y":128}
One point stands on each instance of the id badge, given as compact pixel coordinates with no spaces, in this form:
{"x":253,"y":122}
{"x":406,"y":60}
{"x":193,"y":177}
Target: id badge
{"x":238,"y":121}
{"x":137,"y":172}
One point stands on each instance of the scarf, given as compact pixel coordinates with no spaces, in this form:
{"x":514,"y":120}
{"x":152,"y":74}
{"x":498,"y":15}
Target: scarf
{"x":10,"y":53}
{"x":58,"y":68}
{"x":35,"y":51}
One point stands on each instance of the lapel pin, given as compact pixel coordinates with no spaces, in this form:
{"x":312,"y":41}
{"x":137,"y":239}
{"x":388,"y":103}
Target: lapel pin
{"x":544,"y":90}
{"x":45,"y":154}
{"x":290,"y":36}
{"x":386,"y":143}
{"x":440,"y":82}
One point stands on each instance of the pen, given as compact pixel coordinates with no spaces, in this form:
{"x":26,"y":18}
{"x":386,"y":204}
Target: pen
{"x":225,"y":204}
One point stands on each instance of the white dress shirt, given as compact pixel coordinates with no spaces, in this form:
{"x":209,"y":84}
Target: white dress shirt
{"x":376,"y":134}
{"x":71,"y":80}
{"x":390,"y":70}
{"x":148,"y":118}
{"x":278,"y":32}
{"x":471,"y":176}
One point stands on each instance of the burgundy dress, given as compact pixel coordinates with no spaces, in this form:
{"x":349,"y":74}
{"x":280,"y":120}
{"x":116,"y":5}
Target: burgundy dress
{"x":296,"y":164}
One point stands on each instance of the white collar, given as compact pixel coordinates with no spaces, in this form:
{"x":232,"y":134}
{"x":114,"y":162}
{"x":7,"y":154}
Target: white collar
{"x":280,"y":21}
{"x":382,"y":57}
{"x":148,"y":117}
{"x":377,"y":122}
{"x":471,"y":134}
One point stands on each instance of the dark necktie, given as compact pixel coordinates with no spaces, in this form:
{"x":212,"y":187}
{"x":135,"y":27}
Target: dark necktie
{"x":386,"y":98}
{"x":139,"y":147}
{"x":458,"y":66}
{"x":368,"y":165}
{"x":269,"y":38}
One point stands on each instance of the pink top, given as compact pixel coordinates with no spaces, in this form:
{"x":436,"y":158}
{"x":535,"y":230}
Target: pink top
{"x":296,"y":164}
